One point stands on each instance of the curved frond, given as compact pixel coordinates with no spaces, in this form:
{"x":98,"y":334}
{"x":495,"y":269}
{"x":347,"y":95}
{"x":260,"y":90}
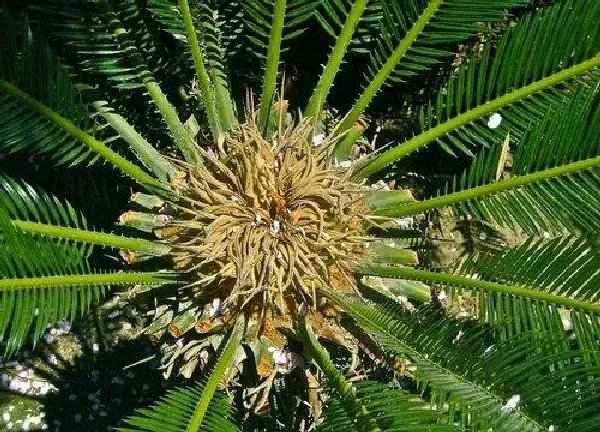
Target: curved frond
{"x":504,"y":84}
{"x":45,"y":114}
{"x":529,"y":383}
{"x":393,"y":408}
{"x":497,"y":70}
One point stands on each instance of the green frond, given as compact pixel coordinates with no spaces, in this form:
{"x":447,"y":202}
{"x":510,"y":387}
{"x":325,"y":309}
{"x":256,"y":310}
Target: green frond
{"x":331,"y":14}
{"x":497,"y":70}
{"x":344,"y":147}
{"x":553,"y":183}
{"x":562,"y":265}
{"x":45,"y":113}
{"x":525,"y":294}
{"x":147,"y":247}
{"x":479,"y":378}
{"x":144,"y":34}
{"x":202,"y":75}
{"x":210,"y":61}
{"x":566,"y":266}
{"x":319,"y":96}
{"x":413,"y":36}
{"x":92,"y":38}
{"x":393,"y":408}
{"x":22,"y":256}
{"x":456,"y":21}
{"x":39,"y":213}
{"x":192,"y":409}
{"x":89,"y":34}
{"x":258,"y":15}
{"x":507,"y":84}
{"x":559,"y":297}
{"x":21,"y":54}
{"x":43,"y":280}
{"x":144,"y":151}
{"x":369,"y":406}
{"x":83,"y":39}
{"x":172,"y":413}
{"x":21,"y":201}
{"x":353,"y":407}
{"x":216,"y":55}
{"x":269,"y":83}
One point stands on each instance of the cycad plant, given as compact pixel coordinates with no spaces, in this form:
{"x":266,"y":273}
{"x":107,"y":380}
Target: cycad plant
{"x":272,"y":237}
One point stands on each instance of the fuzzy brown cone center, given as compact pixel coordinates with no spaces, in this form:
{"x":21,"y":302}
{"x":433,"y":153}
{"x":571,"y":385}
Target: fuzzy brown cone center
{"x":263,"y":225}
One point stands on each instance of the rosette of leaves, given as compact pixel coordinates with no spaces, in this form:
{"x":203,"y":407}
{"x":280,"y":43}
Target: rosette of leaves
{"x":269,"y":235}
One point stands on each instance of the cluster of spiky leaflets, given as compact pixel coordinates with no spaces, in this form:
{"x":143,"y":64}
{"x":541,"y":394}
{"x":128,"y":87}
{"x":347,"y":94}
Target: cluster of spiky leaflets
{"x":63,"y":63}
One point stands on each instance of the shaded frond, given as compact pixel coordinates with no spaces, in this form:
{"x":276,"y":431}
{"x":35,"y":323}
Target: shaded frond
{"x":528,"y":383}
{"x":21,"y":54}
{"x":191,"y":409}
{"x":46,"y":113}
{"x":226,"y":27}
{"x":143,"y":34}
{"x":30,"y":310}
{"x":173,"y":412}
{"x":89,"y":33}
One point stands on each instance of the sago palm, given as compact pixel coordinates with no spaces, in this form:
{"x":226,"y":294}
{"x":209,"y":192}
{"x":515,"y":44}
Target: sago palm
{"x":273,"y":229}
